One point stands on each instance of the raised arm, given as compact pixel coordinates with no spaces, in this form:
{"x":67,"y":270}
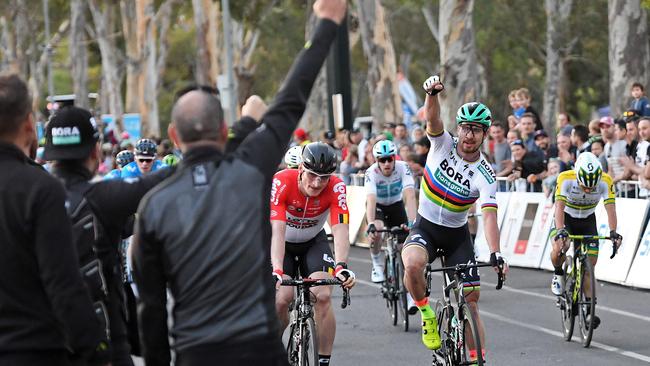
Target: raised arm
{"x":265,"y":147}
{"x":432,"y":86}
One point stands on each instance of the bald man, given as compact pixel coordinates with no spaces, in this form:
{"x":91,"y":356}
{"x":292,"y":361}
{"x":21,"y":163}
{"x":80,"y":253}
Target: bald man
{"x":205,"y":231}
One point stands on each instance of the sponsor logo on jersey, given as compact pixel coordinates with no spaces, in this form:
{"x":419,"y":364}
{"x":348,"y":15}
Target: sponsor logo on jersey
{"x":342,"y":200}
{"x":299,"y":223}
{"x":276,"y":190}
{"x":487,"y":172}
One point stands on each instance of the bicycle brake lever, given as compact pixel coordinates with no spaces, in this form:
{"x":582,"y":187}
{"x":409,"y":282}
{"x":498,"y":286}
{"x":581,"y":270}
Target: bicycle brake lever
{"x":500,"y":278}
{"x":614,"y":250}
{"x":346,"y":299}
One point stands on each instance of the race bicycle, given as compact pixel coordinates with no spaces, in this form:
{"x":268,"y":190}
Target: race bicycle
{"x":457,"y":327}
{"x":302,"y":344}
{"x":576,"y":300}
{"x":393,"y":288}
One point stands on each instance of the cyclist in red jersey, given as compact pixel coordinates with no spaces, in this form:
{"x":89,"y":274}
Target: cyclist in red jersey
{"x":301,"y":201}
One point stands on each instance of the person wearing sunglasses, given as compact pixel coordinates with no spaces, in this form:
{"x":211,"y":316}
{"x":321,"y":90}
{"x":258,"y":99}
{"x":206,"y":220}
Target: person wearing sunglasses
{"x":456,"y":176}
{"x":302,"y":200}
{"x":145,"y":160}
{"x":388,"y":182}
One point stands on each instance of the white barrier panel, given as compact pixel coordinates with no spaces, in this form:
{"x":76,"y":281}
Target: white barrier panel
{"x":525,"y":210}
{"x":531,"y":254}
{"x":630,"y":213}
{"x":356,"y":196}
{"x":481,"y":249}
{"x":639,"y":275}
{"x":546,"y":257}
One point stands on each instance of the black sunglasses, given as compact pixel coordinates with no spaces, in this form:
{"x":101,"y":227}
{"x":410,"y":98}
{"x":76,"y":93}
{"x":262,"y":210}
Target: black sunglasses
{"x":385,"y":160}
{"x":145,"y":160}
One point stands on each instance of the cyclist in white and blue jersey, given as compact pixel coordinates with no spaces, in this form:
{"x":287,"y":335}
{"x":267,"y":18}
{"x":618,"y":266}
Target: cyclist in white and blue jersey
{"x":388,"y":183}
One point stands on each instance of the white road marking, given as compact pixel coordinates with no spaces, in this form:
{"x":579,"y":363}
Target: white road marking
{"x":551,"y":332}
{"x":602,"y":346}
{"x":542,"y":296}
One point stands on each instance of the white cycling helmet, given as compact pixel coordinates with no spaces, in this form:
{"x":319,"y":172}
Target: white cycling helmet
{"x":293,"y":157}
{"x":384,"y":149}
{"x":588,"y":170}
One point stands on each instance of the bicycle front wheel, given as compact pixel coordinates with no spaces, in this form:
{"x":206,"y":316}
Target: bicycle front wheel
{"x":308,"y":347}
{"x":587,"y":302}
{"x":566,"y":299}
{"x":400,"y":291}
{"x":471,"y":340}
{"x":443,"y":356}
{"x":391,"y":288}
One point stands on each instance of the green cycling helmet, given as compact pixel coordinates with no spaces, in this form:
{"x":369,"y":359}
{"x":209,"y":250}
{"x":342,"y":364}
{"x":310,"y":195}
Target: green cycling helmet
{"x":171,"y":160}
{"x":474,"y":112}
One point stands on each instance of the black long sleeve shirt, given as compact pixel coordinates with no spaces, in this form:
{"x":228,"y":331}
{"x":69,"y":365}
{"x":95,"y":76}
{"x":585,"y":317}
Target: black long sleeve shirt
{"x":205,"y":232}
{"x":44,"y":305}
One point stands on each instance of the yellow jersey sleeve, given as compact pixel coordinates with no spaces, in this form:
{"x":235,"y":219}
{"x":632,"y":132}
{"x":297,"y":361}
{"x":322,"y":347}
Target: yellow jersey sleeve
{"x":609,"y":195}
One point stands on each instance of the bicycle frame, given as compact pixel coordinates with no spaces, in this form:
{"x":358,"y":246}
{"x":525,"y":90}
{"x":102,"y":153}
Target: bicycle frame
{"x":580,"y":254}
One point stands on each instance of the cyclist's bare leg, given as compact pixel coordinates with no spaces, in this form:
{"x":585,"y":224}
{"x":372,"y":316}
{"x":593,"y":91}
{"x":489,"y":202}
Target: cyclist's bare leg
{"x":557,"y":252}
{"x":587,"y":279}
{"x":283,"y":298}
{"x":415,"y":260}
{"x":324,"y":315}
{"x":472,"y":302}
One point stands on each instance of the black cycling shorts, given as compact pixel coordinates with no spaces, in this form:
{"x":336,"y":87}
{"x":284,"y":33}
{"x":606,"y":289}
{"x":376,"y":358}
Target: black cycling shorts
{"x":455,"y":243}
{"x":392,"y":215}
{"x":314,"y":255}
{"x":586,"y":226}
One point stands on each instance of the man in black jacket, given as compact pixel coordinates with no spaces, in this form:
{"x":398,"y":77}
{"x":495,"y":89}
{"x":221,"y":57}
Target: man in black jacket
{"x":205,"y":232}
{"x":45,"y":311}
{"x":72,"y":143}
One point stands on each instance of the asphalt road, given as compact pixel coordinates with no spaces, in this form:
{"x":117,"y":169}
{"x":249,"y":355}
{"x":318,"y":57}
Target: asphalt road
{"x":522,"y":324}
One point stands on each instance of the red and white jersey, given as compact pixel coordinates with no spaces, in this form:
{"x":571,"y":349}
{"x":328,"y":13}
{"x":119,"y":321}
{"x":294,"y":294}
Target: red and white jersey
{"x":305,"y":216}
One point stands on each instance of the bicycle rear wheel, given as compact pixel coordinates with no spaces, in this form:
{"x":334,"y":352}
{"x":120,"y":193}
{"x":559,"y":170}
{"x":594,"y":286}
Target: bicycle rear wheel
{"x":566,"y":300}
{"x":308,"y":347}
{"x":587,"y":303}
{"x":400,"y":292}
{"x":391,"y":288}
{"x":470,"y":336}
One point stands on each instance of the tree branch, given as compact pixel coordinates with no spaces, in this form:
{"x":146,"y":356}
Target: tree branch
{"x":431,"y":22}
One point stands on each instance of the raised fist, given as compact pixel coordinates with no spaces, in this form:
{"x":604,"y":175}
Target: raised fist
{"x":333,"y":10}
{"x":433,"y":85}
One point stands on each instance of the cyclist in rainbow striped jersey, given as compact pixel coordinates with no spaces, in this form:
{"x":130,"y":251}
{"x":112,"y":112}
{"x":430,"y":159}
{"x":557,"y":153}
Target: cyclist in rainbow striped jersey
{"x":456,"y":176}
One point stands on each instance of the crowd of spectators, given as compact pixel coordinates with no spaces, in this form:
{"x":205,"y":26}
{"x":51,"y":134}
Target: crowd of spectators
{"x":521,"y":150}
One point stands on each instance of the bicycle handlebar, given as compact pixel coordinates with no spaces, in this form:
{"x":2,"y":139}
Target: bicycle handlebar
{"x":313,"y":282}
{"x":461,"y":267}
{"x":393,"y":230}
{"x":597,"y":237}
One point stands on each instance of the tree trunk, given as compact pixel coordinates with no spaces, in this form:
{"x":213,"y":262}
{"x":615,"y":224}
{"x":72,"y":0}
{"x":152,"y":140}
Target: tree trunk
{"x":111,"y":79}
{"x":460,"y":69}
{"x":629,"y":53}
{"x":133,"y":56}
{"x":244,"y":42}
{"x":315,"y":117}
{"x":207,"y":55}
{"x":557,"y":28}
{"x":147,"y":78}
{"x":78,"y":53}
{"x":163,"y":20}
{"x":385,"y":102}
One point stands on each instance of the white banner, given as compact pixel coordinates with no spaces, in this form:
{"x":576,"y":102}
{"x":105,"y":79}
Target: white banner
{"x":525,"y":210}
{"x":630,"y":213}
{"x":639,"y":275}
{"x":356,"y":197}
{"x":481,"y":249}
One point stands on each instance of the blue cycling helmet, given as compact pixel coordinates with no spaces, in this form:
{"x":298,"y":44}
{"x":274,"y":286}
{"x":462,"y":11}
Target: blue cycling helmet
{"x":124,"y":157}
{"x":145,"y":147}
{"x":384,"y":149}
